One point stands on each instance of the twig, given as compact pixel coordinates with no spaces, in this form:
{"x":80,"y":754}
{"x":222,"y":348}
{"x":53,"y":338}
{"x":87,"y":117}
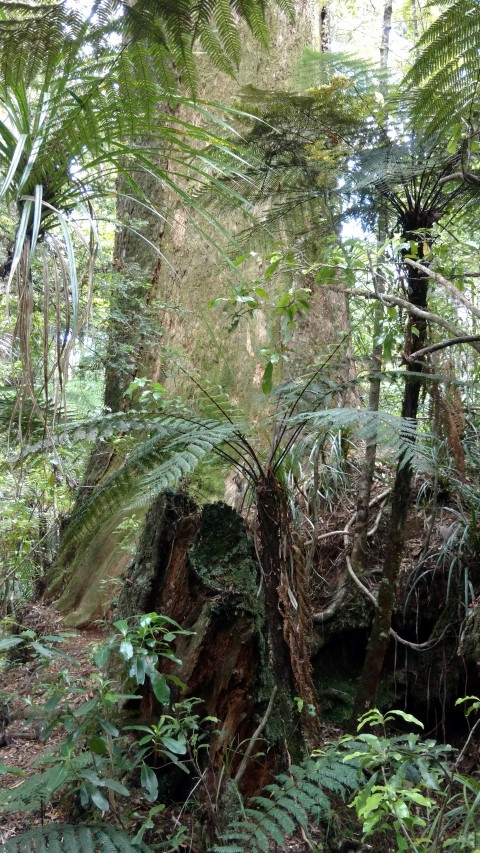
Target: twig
{"x":258,"y":731}
{"x":329,"y":612}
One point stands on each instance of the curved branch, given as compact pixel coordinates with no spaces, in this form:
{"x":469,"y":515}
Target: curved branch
{"x":449,"y":287}
{"x":466,"y":339}
{"x":388,"y":299}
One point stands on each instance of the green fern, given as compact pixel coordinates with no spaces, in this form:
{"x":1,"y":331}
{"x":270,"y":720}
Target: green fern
{"x":445,"y":71}
{"x":174,"y":449}
{"x":295,"y":798}
{"x":66,"y":838}
{"x":40,"y":788}
{"x":168,"y":31}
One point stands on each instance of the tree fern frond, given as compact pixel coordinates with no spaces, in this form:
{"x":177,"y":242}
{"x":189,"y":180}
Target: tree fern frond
{"x":171,"y":453}
{"x":67,"y":838}
{"x":320,"y":68}
{"x":445,"y":72}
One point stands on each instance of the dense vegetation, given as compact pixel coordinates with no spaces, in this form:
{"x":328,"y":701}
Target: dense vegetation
{"x":240,"y":418}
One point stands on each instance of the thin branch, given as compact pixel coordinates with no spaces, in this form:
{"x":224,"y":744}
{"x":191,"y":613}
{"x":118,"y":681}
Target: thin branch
{"x":466,"y":339}
{"x":258,"y":731}
{"x":412,"y":309}
{"x":465,"y":177}
{"x":452,"y":290}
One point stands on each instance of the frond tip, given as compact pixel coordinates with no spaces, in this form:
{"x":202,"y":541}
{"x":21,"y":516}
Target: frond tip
{"x":289,"y":802}
{"x":65,"y":838}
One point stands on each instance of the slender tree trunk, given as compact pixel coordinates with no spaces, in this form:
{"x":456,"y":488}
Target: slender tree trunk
{"x":360,"y":544}
{"x":380,"y":635}
{"x":359,"y":548}
{"x":386,"y":27}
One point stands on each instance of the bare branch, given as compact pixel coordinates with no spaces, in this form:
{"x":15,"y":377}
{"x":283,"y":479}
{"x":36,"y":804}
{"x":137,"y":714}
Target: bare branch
{"x":388,"y":299}
{"x":465,"y":177}
{"x":452,"y":290}
{"x":258,"y":731}
{"x":466,"y":339}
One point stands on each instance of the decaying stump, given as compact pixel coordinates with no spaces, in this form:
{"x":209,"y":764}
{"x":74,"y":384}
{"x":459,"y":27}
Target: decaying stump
{"x":198,"y":567}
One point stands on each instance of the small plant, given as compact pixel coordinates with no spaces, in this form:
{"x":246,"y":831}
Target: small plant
{"x":29,"y":644}
{"x":141,"y":646}
{"x":413,"y":791}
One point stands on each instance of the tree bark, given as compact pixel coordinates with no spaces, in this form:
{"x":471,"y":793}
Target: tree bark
{"x":198,"y":567}
{"x":379,"y":638}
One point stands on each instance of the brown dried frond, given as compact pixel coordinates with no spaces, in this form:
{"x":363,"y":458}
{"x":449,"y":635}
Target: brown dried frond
{"x":450,"y":419}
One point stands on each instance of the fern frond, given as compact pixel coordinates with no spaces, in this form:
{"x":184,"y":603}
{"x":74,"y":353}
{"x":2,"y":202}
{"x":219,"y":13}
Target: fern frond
{"x":293,"y":798}
{"x":174,"y":449}
{"x":67,"y":838}
{"x":40,"y":788}
{"x":445,"y":72}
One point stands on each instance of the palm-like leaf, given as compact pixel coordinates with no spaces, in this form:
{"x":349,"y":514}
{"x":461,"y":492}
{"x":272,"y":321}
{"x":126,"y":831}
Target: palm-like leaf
{"x":446,"y":71}
{"x":169,"y":29}
{"x":176,"y":443}
{"x":64,"y":138}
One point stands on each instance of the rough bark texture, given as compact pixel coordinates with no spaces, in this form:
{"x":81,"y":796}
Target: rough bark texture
{"x":175,"y":287}
{"x":197,"y":566}
{"x":380,"y":636}
{"x":287,"y":610}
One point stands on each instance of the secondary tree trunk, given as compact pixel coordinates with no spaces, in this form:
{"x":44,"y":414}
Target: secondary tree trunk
{"x":380,"y":635}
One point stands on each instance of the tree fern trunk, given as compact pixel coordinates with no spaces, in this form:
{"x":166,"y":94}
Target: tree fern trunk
{"x":380,"y":635}
{"x":287,"y":626}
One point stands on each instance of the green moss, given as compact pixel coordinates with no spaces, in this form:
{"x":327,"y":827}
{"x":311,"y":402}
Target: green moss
{"x":222,"y":555}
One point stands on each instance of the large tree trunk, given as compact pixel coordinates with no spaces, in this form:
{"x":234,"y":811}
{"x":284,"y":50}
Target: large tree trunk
{"x":177,"y":284}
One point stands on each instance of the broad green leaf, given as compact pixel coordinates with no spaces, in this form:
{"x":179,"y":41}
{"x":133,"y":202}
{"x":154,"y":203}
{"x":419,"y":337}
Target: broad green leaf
{"x":160,"y":688}
{"x":126,"y":649}
{"x":9,"y":643}
{"x":113,"y":785}
{"x":43,"y":650}
{"x":178,"y":747}
{"x":98,"y":745}
{"x":267,"y":378}
{"x":149,"y":782}
{"x":99,"y":800}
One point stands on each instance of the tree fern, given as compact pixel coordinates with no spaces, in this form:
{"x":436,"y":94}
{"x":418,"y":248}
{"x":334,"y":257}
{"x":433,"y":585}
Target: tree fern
{"x":66,"y":838}
{"x":290,"y":802}
{"x":171,"y":453}
{"x":445,"y":71}
{"x":168,"y":30}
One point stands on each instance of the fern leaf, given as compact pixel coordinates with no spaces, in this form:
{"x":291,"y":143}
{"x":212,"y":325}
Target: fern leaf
{"x":66,"y":838}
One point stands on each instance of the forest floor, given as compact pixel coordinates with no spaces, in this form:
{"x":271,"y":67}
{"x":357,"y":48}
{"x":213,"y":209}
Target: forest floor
{"x":23,"y":690}
{"x":24,"y":684}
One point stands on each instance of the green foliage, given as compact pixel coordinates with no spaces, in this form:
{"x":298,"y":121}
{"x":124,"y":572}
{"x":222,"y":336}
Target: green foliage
{"x":156,"y":35}
{"x":445,"y":70}
{"x":302,"y":794}
{"x":39,"y":789}
{"x":28,"y":644}
{"x":95,"y":755}
{"x":141,"y":645}
{"x":413,"y":792}
{"x":66,"y":838}
{"x":175,"y":447}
